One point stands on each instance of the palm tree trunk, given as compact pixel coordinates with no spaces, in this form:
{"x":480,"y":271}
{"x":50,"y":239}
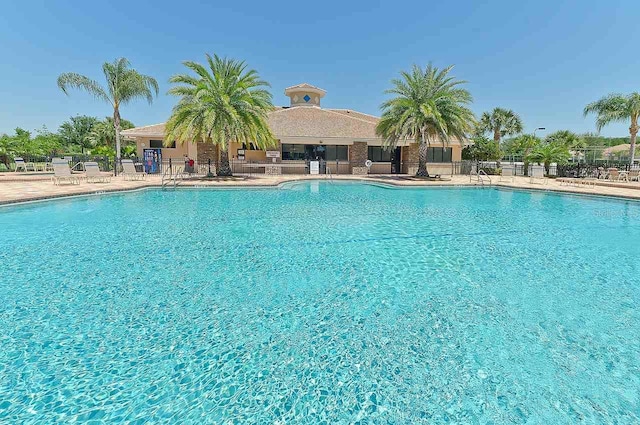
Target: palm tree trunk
{"x":496,"y":135}
{"x":496,"y":138}
{"x":423,"y":151}
{"x":526,"y":162}
{"x":224,"y":169}
{"x":116,"y":125}
{"x":633,"y":132}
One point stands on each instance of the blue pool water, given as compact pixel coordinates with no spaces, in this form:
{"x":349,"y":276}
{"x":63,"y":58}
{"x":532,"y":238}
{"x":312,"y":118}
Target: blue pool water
{"x":321,"y":304}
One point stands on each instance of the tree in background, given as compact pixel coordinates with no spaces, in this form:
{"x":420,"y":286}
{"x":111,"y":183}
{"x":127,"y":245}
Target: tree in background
{"x":522,"y":145}
{"x":76,"y":131}
{"x":222,"y":103}
{"x":500,"y":123}
{"x":103,"y":133}
{"x":482,"y":149}
{"x":618,"y":108}
{"x":567,"y":138}
{"x":428,"y":106}
{"x":123,"y":86}
{"x":23,"y":143}
{"x":547,"y":153}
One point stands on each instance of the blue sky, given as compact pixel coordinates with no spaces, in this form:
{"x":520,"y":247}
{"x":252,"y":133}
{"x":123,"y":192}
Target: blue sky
{"x":545,"y":59}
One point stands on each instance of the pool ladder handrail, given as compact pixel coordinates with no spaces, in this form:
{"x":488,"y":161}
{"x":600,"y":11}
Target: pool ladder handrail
{"x":329,"y":174}
{"x":169,"y":176}
{"x":481,"y":175}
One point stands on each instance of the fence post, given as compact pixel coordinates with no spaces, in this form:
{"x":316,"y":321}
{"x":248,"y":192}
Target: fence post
{"x":170,"y":167}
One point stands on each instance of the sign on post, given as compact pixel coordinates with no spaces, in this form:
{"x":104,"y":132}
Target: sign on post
{"x":314,"y":167}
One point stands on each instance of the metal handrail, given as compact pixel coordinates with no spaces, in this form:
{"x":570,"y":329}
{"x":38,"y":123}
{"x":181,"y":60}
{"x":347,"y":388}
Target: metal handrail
{"x":175,"y":177}
{"x":481,"y":175}
{"x":76,"y":164}
{"x":164,"y":174}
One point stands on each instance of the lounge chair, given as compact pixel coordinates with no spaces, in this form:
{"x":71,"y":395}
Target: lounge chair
{"x":93,"y":174}
{"x":613,"y":174}
{"x":20,"y":164}
{"x":602,"y":173}
{"x":508,"y":171}
{"x":24,"y":166}
{"x":129,"y":171}
{"x":537,"y":172}
{"x":62,"y":172}
{"x":634,"y":175}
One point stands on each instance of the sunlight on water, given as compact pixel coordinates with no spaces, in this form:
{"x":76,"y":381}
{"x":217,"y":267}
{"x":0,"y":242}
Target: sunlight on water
{"x":321,"y":303}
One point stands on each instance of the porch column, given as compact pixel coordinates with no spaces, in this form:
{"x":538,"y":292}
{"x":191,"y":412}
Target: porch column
{"x":275,"y":170}
{"x":358,"y":155}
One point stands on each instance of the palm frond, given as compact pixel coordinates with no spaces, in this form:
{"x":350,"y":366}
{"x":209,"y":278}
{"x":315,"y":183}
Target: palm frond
{"x":77,"y":81}
{"x":220,"y":102}
{"x":428,"y":102}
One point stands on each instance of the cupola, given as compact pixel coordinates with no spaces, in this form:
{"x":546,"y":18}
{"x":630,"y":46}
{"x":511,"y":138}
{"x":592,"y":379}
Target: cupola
{"x":304,"y":95}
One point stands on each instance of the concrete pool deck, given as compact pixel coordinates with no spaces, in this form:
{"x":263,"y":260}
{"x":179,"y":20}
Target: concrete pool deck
{"x":21,"y":188}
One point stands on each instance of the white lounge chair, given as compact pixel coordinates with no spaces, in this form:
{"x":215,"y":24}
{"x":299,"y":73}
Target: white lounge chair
{"x":62,"y":172}
{"x":93,"y":174}
{"x":129,"y":171}
{"x":508,"y":171}
{"x":613,"y":174}
{"x":537,"y":173}
{"x":20,"y":164}
{"x":24,"y":166}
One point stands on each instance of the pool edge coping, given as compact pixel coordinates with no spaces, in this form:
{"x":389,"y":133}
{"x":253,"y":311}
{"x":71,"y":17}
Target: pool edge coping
{"x":370,"y":181}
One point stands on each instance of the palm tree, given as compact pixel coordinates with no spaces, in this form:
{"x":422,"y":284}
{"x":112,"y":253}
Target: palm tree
{"x":548,"y":153}
{"x":428,"y":106}
{"x":618,"y":108}
{"x":123,"y":86}
{"x":500,"y":122}
{"x":524,"y":145}
{"x":222,"y":103}
{"x":567,"y":138}
{"x":103,"y":133}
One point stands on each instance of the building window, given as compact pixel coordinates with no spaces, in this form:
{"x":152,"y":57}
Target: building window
{"x":310,"y":152}
{"x":379,"y":154}
{"x":439,"y":155}
{"x":158,"y":144}
{"x":337,"y":153}
{"x":292,"y":152}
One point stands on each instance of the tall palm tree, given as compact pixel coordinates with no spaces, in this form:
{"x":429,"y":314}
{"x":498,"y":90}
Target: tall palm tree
{"x":429,"y":105}
{"x":500,"y":122}
{"x":618,"y":108}
{"x":123,"y":86}
{"x":222,"y":103}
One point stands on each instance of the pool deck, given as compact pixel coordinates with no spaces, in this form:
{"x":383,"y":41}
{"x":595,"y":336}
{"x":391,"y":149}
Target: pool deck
{"x":30,"y":187}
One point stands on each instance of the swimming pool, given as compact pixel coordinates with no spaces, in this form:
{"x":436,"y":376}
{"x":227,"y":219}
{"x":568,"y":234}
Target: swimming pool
{"x":321,"y":303}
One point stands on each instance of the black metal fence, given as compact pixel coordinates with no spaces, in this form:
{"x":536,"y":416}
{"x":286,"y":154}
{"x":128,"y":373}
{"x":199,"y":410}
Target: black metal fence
{"x":571,"y":169}
{"x":42,"y":162}
{"x":172,"y":165}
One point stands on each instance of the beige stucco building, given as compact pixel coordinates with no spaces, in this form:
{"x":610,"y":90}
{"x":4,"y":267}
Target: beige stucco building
{"x":342,"y":140}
